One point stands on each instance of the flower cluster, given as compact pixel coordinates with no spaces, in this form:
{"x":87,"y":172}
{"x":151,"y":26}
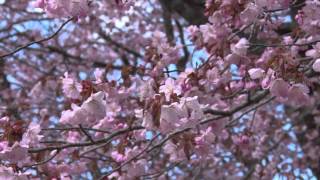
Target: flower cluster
{"x":64,"y":8}
{"x":214,"y":89}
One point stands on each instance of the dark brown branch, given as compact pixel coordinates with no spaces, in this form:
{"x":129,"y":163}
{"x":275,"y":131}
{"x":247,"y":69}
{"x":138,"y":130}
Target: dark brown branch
{"x":74,"y":129}
{"x":167,"y":20}
{"x":38,"y":41}
{"x":255,"y":99}
{"x":84,"y":144}
{"x":86,"y":133}
{"x":183,"y":61}
{"x":45,"y":161}
{"x":249,"y":110}
{"x":191,"y":10}
{"x":285,"y":45}
{"x":118,"y":45}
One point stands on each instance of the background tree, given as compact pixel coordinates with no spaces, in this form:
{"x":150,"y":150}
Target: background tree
{"x":159,"y":89}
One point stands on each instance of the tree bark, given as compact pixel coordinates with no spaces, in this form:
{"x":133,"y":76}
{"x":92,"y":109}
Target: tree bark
{"x":191,"y":10}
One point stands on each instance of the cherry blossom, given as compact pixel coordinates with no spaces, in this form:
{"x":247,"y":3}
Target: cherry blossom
{"x":316,"y":65}
{"x":14,"y":154}
{"x":241,"y":47}
{"x":70,"y":87}
{"x":167,"y":89}
{"x":31,"y":137}
{"x":8,"y":173}
{"x":315,"y":53}
{"x":280,"y":89}
{"x":59,"y":8}
{"x":96,"y":105}
{"x":256,"y":73}
{"x":176,"y":153}
{"x":99,"y":75}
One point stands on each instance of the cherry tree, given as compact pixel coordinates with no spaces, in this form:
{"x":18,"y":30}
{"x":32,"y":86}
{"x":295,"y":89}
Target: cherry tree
{"x":159,"y":89}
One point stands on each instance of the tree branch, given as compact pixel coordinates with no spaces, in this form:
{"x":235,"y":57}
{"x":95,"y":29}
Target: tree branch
{"x":38,"y":41}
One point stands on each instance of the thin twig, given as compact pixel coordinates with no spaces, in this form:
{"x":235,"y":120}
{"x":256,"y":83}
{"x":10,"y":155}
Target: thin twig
{"x":86,"y":133}
{"x":249,"y":110}
{"x":38,"y":41}
{"x":131,"y":159}
{"x":285,"y":45}
{"x":45,"y":161}
{"x":74,"y":129}
{"x":84,"y":144}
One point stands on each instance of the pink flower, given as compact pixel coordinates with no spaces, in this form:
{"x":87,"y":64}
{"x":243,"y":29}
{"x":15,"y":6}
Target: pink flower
{"x":315,"y":52}
{"x":114,"y":175}
{"x":169,"y":54}
{"x":99,"y":75}
{"x":204,"y":142}
{"x":213,"y":76}
{"x":249,"y":14}
{"x":179,"y":115}
{"x":241,"y":47}
{"x":66,"y":117}
{"x":118,"y":157}
{"x":92,"y":110}
{"x":298,"y":95}
{"x":280,"y":89}
{"x":64,"y":8}
{"x":268,"y":79}
{"x":70,"y":87}
{"x":3,"y":145}
{"x":233,"y":58}
{"x":316,"y":65}
{"x":80,"y":115}
{"x":113,"y":109}
{"x":75,"y":116}
{"x":272,"y":4}
{"x":136,"y":168}
{"x":78,"y":8}
{"x":32,"y":137}
{"x":16,"y":153}
{"x":74,"y":168}
{"x":147,"y":119}
{"x":218,"y":127}
{"x":206,"y":136}
{"x":265,"y":58}
{"x":243,"y":142}
{"x":170,"y":114}
{"x":176,"y":153}
{"x":73,"y":136}
{"x":95,"y":105}
{"x":309,"y":17}
{"x":213,"y":35}
{"x":146,"y":89}
{"x":295,"y":95}
{"x":158,"y":38}
{"x":9,"y":174}
{"x":256,"y":73}
{"x":299,"y":17}
{"x":192,"y":105}
{"x":105,"y":123}
{"x":195,"y":35}
{"x":39,"y":3}
{"x":4,"y":121}
{"x":43,"y":112}
{"x":208,"y":31}
{"x":170,"y":87}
